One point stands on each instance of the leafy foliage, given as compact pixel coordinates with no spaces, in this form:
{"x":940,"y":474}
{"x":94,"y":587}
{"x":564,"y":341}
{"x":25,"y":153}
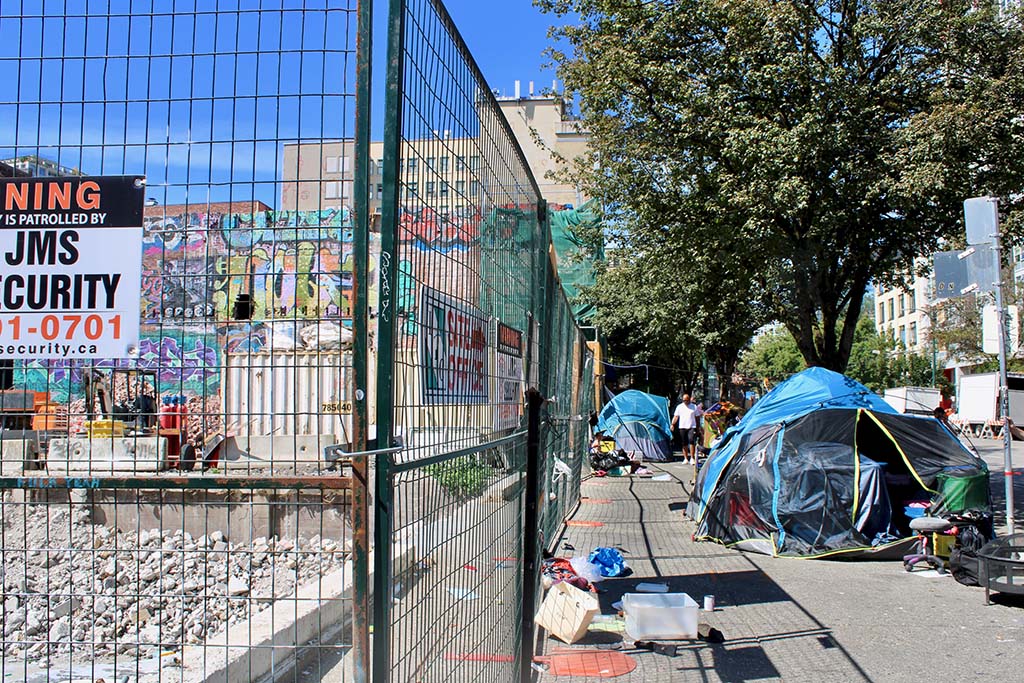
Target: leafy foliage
{"x":773,"y":356}
{"x":876,"y":360}
{"x":793,"y":150}
{"x":462,"y":478}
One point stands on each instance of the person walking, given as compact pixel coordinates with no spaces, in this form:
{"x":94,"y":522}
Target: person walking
{"x":686,"y":419}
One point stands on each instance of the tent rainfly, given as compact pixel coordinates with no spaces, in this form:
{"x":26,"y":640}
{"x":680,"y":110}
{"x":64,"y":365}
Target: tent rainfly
{"x":638,"y":422}
{"x":823,"y":466}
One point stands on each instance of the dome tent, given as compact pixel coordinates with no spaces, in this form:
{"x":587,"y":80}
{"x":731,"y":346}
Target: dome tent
{"x":638,"y":422}
{"x":821,"y":465}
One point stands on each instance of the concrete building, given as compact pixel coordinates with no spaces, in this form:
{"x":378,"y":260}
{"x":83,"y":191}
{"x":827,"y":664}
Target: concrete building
{"x":902,"y":312}
{"x":551,"y":136}
{"x":439,"y":169}
{"x":40,"y":167}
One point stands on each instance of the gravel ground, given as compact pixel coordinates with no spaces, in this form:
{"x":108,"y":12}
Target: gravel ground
{"x":71,"y":586}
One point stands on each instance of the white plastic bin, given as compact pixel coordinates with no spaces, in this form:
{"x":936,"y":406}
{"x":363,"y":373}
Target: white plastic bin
{"x":664,"y":616}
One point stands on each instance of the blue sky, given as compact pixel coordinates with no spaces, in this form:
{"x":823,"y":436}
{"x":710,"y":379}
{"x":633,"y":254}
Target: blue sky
{"x":202,"y":102}
{"x":507,"y":37}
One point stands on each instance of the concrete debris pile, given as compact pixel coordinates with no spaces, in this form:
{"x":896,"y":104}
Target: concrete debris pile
{"x":85,"y":588}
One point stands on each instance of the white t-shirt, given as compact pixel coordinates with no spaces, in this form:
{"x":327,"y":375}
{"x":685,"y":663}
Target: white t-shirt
{"x":686,"y":415}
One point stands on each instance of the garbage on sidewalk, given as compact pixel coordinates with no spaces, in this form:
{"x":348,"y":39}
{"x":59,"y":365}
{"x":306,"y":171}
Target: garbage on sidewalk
{"x":669,"y":616}
{"x":609,"y":562}
{"x":567,"y":612}
{"x":556,"y":570}
{"x":652,"y":587}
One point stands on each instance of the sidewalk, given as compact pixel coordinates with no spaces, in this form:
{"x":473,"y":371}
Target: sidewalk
{"x":786,"y":619}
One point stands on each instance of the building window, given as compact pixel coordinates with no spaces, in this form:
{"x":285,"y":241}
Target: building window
{"x":881,"y":313}
{"x":331,"y":164}
{"x":903,"y":334}
{"x":474,"y":163}
{"x":460,"y":163}
{"x":431,"y":162}
{"x":430,"y":188}
{"x":474,"y":187}
{"x":903,"y":305}
{"x":460,"y":187}
{"x":892,"y":308}
{"x":380,"y":191}
{"x":412,"y":189}
{"x":412,"y":164}
{"x":444,"y":164}
{"x":913,"y":334}
{"x":444,"y":189}
{"x":332,"y":190}
{"x":913,"y":302}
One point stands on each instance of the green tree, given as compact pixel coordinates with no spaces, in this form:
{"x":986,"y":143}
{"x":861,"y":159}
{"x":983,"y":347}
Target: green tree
{"x":773,"y":356}
{"x":834,"y":140}
{"x":876,"y":360}
{"x":661,"y":309}
{"x":879,"y":362}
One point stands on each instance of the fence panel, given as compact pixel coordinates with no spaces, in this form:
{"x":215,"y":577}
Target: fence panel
{"x":470,"y":314}
{"x":185,"y":277}
{"x":462,"y":236}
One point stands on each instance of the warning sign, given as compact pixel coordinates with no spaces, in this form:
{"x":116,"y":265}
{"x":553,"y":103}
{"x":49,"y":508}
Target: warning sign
{"x":508,"y":363}
{"x":70,"y":266}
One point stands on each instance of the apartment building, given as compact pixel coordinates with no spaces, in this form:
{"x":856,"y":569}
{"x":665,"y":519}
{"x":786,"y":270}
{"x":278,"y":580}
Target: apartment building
{"x":40,"y":167}
{"x":902,"y":312}
{"x":439,"y":168}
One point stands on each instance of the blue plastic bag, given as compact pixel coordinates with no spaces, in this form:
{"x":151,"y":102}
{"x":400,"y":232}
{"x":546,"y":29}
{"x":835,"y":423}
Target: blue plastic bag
{"x":609,"y":561}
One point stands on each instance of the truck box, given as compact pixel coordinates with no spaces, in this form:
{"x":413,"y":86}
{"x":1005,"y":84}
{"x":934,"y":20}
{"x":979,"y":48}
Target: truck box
{"x":915,"y":400}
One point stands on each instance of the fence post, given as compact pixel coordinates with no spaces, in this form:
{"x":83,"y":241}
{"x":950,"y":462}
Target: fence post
{"x":386,"y":326}
{"x":531,"y":531}
{"x":361,"y":336}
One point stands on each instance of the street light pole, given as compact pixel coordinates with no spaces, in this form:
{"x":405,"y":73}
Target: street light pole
{"x":1004,"y":389}
{"x":981,"y":218}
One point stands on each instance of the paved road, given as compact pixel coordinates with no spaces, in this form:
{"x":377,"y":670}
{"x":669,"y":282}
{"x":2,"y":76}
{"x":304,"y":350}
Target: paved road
{"x":788,"y":619}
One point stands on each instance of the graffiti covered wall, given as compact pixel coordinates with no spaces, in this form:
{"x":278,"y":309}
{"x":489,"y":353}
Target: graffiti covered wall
{"x":295,"y":266}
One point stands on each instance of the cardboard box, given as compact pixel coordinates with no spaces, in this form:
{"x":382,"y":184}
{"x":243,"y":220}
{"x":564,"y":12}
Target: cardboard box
{"x":567,"y":611}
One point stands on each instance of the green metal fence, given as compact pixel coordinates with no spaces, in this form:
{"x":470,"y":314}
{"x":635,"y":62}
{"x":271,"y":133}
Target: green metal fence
{"x":471,"y":315}
{"x":166,"y":510}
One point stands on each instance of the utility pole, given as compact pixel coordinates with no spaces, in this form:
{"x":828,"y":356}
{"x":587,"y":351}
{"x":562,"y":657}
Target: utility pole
{"x":981,"y":216}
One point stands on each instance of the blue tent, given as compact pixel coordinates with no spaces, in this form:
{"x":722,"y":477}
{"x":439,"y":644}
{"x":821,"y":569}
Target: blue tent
{"x":639,"y":424}
{"x":822,"y":465}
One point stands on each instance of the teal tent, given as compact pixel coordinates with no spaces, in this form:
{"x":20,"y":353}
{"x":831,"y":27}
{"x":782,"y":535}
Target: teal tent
{"x":638,"y":422}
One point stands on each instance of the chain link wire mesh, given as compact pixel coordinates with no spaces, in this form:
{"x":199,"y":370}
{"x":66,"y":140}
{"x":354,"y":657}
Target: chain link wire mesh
{"x":168,"y":512}
{"x":181,"y":510}
{"x":470,"y":314}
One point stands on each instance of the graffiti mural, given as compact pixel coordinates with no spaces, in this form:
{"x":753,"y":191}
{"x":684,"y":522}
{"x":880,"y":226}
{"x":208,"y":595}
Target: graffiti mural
{"x":295,"y":265}
{"x":427,"y":229}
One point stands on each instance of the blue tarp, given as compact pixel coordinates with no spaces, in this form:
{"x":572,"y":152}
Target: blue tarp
{"x":638,"y":422}
{"x":812,"y":389}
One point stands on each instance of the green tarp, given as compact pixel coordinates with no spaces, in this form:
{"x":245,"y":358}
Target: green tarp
{"x":576,"y":260}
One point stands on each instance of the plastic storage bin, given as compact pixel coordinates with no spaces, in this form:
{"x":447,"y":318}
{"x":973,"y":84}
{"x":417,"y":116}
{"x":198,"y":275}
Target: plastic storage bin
{"x":664,"y":616}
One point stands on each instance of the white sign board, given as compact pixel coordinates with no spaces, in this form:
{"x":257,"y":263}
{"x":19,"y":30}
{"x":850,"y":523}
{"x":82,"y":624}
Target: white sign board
{"x":990,"y":329}
{"x":70,"y":267}
{"x":981,"y":218}
{"x":508,"y":364}
{"x":453,"y":350}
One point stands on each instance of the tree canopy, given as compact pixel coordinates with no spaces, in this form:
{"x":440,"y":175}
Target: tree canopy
{"x":876,"y":360}
{"x":812,"y":146}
